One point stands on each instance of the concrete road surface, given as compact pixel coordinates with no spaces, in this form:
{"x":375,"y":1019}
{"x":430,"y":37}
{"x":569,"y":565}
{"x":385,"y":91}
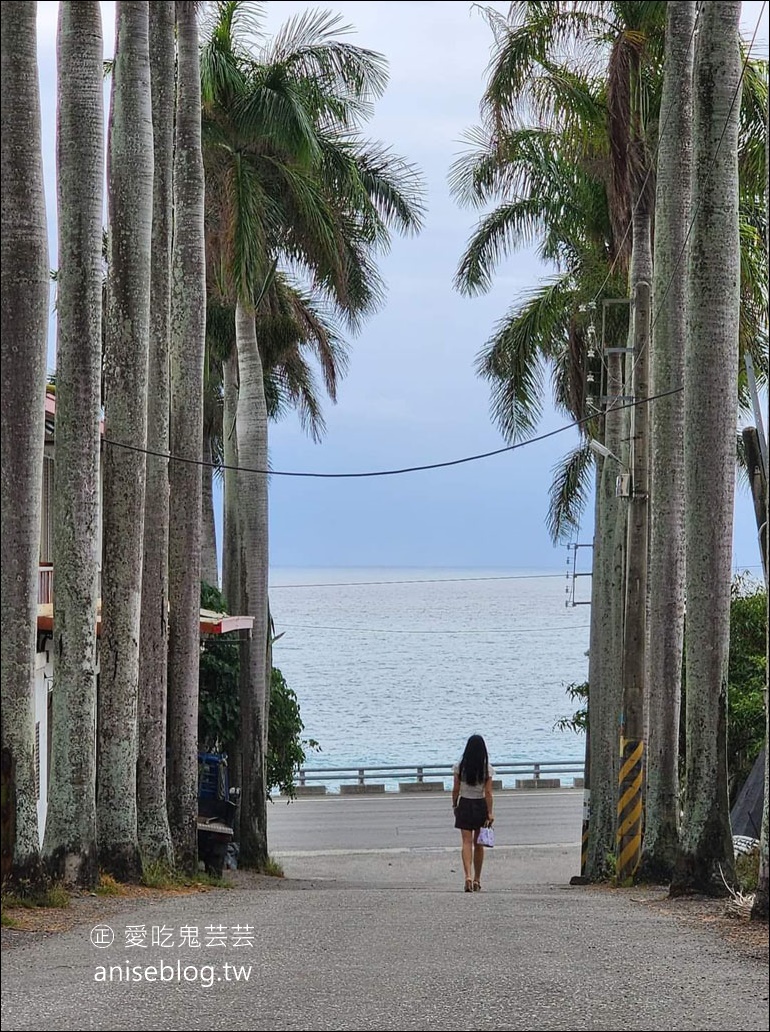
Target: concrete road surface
{"x":384,"y":939}
{"x":396,"y":821}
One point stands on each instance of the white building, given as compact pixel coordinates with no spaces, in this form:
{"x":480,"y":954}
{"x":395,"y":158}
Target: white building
{"x":211,"y":623}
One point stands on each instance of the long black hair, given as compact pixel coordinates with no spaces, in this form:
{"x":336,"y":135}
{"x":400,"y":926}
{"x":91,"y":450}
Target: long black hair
{"x":474,"y":766}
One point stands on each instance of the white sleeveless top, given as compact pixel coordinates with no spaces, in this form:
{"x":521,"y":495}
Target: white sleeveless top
{"x":473,"y":791}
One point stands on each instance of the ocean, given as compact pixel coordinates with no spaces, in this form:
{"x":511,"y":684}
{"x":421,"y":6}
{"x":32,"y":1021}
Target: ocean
{"x":399,"y":666}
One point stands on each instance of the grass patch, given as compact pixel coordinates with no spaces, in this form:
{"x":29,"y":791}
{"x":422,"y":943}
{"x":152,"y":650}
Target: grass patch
{"x":54,"y":897}
{"x":57,"y":897}
{"x":9,"y":922}
{"x":208,"y":879}
{"x":158,"y":875}
{"x":108,"y":886}
{"x":272,"y":868}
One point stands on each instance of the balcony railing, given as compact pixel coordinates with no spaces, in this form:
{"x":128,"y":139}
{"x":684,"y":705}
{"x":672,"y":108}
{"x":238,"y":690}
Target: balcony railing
{"x":45,"y":585}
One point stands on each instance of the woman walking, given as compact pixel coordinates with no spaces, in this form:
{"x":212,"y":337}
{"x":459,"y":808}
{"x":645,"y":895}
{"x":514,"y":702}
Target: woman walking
{"x":472,"y":804}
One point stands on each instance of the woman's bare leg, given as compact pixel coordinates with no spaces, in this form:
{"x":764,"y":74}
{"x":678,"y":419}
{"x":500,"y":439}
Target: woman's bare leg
{"x":467,"y":853}
{"x":478,"y":857}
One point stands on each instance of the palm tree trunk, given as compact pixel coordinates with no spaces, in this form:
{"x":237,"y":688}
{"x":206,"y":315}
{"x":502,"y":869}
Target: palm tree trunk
{"x":253,"y":514}
{"x":209,"y":565}
{"x":761,"y":908}
{"x":711,"y":373}
{"x":634,"y":647}
{"x":130,"y":175}
{"x":605,"y":696}
{"x":231,"y":536}
{"x":25,"y":292}
{"x":70,"y":832}
{"x":154,"y":833}
{"x":231,"y":567}
{"x":666,"y":571}
{"x":188,"y":340}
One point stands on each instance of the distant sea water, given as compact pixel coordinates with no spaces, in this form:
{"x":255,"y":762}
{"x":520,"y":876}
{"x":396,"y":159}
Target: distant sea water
{"x":399,"y":666}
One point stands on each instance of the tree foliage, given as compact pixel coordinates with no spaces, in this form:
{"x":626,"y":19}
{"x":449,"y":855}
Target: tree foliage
{"x":746,"y":684}
{"x":219,"y":707}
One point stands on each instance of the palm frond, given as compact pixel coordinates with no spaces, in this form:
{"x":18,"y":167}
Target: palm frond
{"x":515,"y":358}
{"x":271,"y":111}
{"x":569,"y":492}
{"x":497,"y":235}
{"x":309,"y":44}
{"x":394,"y":186}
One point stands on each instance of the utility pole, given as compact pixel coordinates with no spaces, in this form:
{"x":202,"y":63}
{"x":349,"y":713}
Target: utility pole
{"x":631,"y":776}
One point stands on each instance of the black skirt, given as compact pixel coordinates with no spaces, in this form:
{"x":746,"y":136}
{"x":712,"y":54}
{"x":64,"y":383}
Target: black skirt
{"x":470,"y":814}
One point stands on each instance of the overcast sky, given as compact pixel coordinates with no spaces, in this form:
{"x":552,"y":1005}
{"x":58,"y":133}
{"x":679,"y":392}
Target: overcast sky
{"x":411,"y":395}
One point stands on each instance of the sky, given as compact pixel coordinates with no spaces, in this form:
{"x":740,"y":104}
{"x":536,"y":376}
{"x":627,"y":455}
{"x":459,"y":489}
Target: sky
{"x":411,"y":395}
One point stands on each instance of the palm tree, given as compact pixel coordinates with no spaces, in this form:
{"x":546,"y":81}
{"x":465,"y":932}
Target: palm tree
{"x":575,"y":179}
{"x":24,"y":287}
{"x":706,"y":857}
{"x":154,"y":832}
{"x":296,"y":184}
{"x":188,"y":341}
{"x":666,"y":570}
{"x":761,"y":907}
{"x":70,"y":832}
{"x":556,"y":182}
{"x":129,"y":191}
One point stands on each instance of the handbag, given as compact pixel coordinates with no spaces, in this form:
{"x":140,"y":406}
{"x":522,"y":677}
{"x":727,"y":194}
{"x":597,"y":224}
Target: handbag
{"x":486,"y":837}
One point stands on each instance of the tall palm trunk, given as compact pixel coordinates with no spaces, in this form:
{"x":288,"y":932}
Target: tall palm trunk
{"x":711,"y":373}
{"x":130,"y":175}
{"x":209,"y":565}
{"x":231,"y":535}
{"x":666,"y":571}
{"x":154,"y":833}
{"x":70,"y":833}
{"x":253,"y":514}
{"x":188,"y":341}
{"x":634,"y":637}
{"x":231,"y":567}
{"x":25,"y":291}
{"x":605,"y":652}
{"x":761,"y":908}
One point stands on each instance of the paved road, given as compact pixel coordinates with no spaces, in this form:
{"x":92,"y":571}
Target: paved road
{"x":394,"y":821}
{"x":385,"y":940}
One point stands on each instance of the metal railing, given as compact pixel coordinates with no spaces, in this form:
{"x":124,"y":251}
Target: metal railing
{"x":436,"y":772}
{"x":45,"y":585}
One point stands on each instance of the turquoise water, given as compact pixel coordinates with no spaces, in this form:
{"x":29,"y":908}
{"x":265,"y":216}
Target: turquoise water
{"x":400,"y":666}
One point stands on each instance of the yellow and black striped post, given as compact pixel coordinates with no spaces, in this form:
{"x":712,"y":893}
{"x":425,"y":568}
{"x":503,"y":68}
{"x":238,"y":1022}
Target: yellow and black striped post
{"x":630,"y":808}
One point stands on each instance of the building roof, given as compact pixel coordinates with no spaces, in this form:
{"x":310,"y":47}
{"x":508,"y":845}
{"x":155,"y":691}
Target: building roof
{"x":211,"y":622}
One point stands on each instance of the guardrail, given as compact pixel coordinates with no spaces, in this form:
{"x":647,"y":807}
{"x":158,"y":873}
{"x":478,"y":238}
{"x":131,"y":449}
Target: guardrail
{"x":422,"y":772}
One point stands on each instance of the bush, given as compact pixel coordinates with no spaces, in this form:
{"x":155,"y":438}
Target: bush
{"x":219,"y":707}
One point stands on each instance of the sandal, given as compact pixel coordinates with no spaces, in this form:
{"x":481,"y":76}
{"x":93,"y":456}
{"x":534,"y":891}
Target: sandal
{"x":468,"y":885}
{"x":477,"y":886}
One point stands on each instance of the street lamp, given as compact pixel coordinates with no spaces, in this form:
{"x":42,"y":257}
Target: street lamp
{"x":623,"y":480}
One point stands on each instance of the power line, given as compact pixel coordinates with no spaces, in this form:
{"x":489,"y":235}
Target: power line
{"x":410,"y":630}
{"x":385,"y":472}
{"x":422,"y":580}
